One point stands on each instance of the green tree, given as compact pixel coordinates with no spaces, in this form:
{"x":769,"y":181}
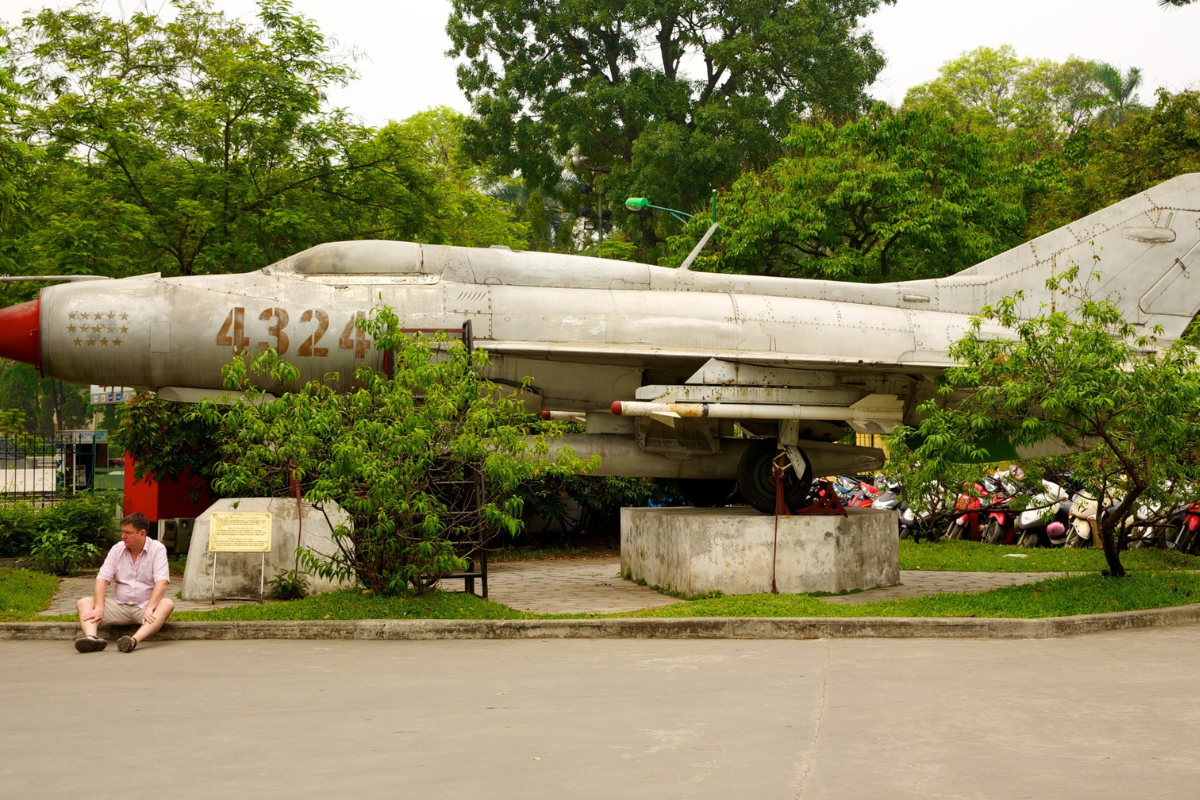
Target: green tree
{"x":1083,"y":379}
{"x":673,"y":97}
{"x":191,"y":143}
{"x":892,"y":196}
{"x":42,"y":405}
{"x":167,"y":439}
{"x":392,"y":454}
{"x":995,"y":88}
{"x":1101,"y":165}
{"x":1120,"y":96}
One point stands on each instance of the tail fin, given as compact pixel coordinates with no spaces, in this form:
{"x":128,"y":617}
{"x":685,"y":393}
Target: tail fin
{"x":1139,"y":253}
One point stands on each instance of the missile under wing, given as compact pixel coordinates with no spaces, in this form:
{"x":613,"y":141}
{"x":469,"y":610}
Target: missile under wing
{"x":668,"y":369}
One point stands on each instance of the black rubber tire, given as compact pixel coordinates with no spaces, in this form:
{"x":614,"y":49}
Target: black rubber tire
{"x":754,"y":478}
{"x":1185,"y":542}
{"x":993,"y":533}
{"x":1028,"y":539}
{"x":706,"y":492}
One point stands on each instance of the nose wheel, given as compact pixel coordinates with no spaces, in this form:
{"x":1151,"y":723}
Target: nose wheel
{"x":756,"y":477}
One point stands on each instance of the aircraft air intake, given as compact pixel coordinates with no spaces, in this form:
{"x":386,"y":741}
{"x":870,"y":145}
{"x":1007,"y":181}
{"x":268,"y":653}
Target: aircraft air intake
{"x":20,"y":339}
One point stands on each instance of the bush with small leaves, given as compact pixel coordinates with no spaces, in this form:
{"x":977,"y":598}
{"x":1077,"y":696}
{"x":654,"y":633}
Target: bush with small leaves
{"x":59,"y":552}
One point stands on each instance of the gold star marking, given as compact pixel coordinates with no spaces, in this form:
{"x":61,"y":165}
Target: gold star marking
{"x":96,"y":329}
{"x":104,"y":342}
{"x":78,"y":342}
{"x":71,"y":315}
{"x":111,"y":315}
{"x":70,"y":329}
{"x":116,"y":342}
{"x":124,"y":316}
{"x":98,"y":315}
{"x":91,"y":342}
{"x":124,"y":329}
{"x":110,"y":329}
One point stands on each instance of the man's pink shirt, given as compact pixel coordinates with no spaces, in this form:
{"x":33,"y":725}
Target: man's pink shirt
{"x":135,"y":581}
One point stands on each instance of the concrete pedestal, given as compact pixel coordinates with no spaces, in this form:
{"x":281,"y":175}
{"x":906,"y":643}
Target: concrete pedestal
{"x":238,"y":573}
{"x":699,"y":550}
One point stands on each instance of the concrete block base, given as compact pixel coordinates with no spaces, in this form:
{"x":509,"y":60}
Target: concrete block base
{"x":700,"y":550}
{"x":238,"y":573}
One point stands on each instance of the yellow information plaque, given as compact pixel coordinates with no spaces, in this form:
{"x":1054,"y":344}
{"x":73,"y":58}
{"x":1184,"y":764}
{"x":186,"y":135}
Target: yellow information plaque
{"x":239,"y":532}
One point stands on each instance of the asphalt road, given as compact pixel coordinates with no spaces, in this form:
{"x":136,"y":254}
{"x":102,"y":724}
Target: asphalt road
{"x":1109,"y":715}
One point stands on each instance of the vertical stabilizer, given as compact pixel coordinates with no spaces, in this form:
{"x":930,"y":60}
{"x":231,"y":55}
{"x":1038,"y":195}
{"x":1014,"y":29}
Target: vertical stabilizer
{"x":1142,"y":253}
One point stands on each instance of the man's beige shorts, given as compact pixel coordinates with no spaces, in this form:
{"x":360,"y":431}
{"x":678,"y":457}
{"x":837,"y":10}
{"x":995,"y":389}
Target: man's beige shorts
{"x":120,"y":614}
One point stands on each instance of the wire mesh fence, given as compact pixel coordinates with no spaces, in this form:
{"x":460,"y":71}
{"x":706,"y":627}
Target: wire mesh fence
{"x":42,"y":469}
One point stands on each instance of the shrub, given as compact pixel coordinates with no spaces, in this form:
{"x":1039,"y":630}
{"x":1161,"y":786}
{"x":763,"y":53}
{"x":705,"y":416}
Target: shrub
{"x":290,"y":585}
{"x":400,"y":454}
{"x":59,"y":552}
{"x":18,"y":529}
{"x":88,"y":518}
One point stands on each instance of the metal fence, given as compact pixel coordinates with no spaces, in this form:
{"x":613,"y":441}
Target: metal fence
{"x":43,"y":470}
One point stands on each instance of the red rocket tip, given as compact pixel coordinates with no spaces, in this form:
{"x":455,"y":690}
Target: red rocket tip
{"x":616,"y":407}
{"x":545,"y":415}
{"x":20,"y":339}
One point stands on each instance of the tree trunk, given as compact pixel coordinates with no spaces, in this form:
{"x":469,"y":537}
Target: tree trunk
{"x":1110,"y":547}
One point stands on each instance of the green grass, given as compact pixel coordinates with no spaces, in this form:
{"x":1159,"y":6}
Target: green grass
{"x":354,"y":604}
{"x":23,"y":593}
{"x":1054,"y":597}
{"x":1156,"y":580}
{"x":977,"y":557}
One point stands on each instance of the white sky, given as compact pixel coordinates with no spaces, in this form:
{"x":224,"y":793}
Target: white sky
{"x":406,"y":70}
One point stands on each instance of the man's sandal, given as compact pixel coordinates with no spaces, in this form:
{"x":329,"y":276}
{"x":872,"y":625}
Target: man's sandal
{"x":126,"y":644}
{"x":90,"y":644}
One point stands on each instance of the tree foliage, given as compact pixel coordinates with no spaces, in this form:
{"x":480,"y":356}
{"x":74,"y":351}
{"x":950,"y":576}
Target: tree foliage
{"x":888,"y":197}
{"x":994,"y":87}
{"x":40,"y":405}
{"x":397,"y":454}
{"x":673,"y":97}
{"x":166,"y":439}
{"x":189,"y":142}
{"x":1080,"y":377}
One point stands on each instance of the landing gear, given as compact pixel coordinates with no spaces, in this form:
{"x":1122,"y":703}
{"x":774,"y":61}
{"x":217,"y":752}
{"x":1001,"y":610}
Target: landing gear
{"x":755,"y":479}
{"x":706,"y":492}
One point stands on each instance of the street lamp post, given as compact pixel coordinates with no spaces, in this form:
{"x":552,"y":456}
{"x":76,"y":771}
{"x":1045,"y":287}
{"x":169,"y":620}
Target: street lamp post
{"x":640,"y":204}
{"x":596,"y":173}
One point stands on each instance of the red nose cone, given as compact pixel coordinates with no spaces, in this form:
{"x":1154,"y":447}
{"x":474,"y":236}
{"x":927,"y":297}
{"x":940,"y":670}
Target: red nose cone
{"x":19,"y":337}
{"x":545,"y":415}
{"x":616,"y":407}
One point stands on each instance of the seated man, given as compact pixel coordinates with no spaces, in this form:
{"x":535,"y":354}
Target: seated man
{"x":139,"y":566}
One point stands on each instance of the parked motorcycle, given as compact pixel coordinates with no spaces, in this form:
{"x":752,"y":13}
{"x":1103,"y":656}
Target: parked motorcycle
{"x":1051,"y":505}
{"x":965,"y":522}
{"x":1001,"y":521}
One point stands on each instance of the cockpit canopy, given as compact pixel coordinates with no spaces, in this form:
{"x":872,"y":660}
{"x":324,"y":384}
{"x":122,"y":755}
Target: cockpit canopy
{"x":366,"y":257}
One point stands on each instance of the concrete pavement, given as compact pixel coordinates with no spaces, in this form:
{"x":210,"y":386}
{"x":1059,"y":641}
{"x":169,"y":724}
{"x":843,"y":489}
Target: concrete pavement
{"x":1102,"y":716}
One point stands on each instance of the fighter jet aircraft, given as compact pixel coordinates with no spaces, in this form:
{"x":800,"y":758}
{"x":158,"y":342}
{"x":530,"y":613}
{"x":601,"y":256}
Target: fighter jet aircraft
{"x":699,"y":376}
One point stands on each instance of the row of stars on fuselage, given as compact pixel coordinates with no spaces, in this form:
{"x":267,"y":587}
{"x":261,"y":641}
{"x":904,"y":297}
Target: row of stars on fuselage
{"x":96,"y":329}
{"x":103,"y":342}
{"x":85,"y":315}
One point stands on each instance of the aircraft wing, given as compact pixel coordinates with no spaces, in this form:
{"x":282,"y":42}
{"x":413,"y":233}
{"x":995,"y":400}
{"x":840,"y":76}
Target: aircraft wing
{"x":635,"y":355}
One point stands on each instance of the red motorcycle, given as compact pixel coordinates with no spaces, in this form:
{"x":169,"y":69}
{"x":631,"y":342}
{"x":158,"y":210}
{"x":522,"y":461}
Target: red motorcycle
{"x":965,"y":522}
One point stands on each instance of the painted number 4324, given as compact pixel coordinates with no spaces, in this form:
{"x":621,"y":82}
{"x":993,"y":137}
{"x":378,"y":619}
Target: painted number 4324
{"x":314,"y":320}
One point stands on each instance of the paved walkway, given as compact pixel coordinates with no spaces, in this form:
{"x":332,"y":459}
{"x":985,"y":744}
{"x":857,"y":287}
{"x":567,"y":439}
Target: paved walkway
{"x":594,"y":586}
{"x":71,"y":589}
{"x":574,"y":586}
